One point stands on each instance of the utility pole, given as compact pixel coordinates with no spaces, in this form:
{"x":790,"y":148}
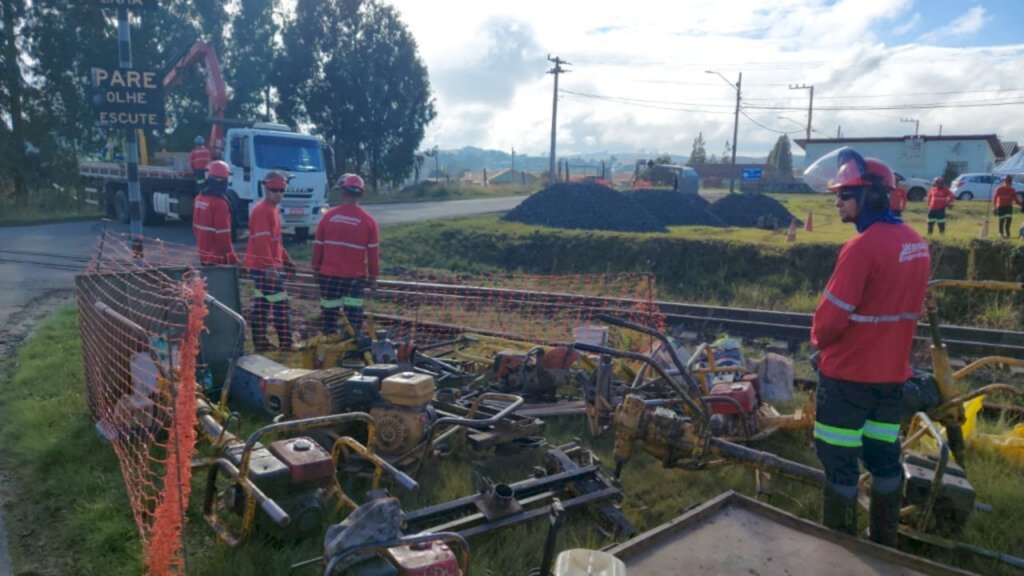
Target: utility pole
{"x":556,"y":70}
{"x":513,"y":159}
{"x":810,"y":106}
{"x":131,"y":139}
{"x":735,"y":123}
{"x":915,"y":121}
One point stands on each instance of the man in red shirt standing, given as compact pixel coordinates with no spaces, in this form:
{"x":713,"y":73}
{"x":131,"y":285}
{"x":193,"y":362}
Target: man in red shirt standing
{"x":346,"y":256}
{"x":268,"y":263}
{"x":939,"y":199}
{"x":198,"y":160}
{"x":211,"y":219}
{"x":864,"y":327}
{"x":898,"y":200}
{"x":1003,"y":201}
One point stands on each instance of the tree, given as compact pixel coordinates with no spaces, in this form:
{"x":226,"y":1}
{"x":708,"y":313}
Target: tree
{"x":727,"y":154}
{"x":352,"y":69}
{"x":249,"y":57}
{"x":698,"y":155}
{"x":780,"y":159}
{"x":12,"y":91}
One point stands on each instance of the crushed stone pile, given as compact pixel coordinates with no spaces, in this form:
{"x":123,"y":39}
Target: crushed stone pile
{"x":673,"y":208}
{"x":584,"y":206}
{"x":744,"y":210}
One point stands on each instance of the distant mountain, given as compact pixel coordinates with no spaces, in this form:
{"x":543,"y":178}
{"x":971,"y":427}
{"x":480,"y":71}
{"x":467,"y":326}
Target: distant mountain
{"x":473,"y":159}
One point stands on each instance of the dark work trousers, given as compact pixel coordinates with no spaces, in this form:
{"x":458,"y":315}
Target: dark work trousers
{"x":854,"y":422}
{"x":937,"y":217}
{"x":270,"y":300}
{"x":341,"y":293}
{"x":200,"y":178}
{"x":1005,"y":214}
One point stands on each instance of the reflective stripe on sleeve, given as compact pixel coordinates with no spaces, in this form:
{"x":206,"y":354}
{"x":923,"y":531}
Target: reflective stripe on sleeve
{"x":212,"y":229}
{"x":843,"y":305}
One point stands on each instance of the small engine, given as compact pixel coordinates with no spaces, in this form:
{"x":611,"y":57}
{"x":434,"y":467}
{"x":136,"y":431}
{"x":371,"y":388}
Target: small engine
{"x":733,"y":407}
{"x":537,"y":374}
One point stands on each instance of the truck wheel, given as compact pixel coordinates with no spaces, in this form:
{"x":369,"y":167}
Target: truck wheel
{"x":916,"y":194}
{"x":301,"y":235}
{"x":122,"y":213}
{"x":149,"y":215}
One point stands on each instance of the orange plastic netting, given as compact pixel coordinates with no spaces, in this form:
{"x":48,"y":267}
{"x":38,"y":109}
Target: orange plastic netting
{"x":139,"y":323}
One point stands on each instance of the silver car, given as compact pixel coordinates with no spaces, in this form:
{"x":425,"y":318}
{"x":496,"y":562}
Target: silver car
{"x":981,"y":186}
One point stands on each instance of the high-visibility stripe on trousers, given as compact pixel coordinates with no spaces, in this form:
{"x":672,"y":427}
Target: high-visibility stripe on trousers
{"x":337,"y":294}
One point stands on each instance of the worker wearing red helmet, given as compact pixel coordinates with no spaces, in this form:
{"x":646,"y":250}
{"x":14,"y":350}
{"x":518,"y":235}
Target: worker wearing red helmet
{"x":199,"y":160}
{"x":211,"y":219}
{"x":346,"y":257}
{"x":864,"y":327}
{"x":940,"y":198}
{"x":268,"y":264}
{"x":1003,"y":201}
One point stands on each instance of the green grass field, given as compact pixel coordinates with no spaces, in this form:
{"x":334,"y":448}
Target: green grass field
{"x":68,"y":511}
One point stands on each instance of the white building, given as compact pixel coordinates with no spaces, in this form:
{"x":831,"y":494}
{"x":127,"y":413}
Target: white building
{"x":921,"y":156}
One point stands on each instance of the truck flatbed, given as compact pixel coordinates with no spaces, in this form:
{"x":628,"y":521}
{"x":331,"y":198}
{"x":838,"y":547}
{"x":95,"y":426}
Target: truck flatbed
{"x":116,"y":171}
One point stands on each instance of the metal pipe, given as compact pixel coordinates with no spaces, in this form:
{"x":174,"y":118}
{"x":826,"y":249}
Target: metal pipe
{"x":455,"y":421}
{"x":767,"y":461}
{"x":683,"y":372}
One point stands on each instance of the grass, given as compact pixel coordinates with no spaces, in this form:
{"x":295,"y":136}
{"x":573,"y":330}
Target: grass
{"x":12,"y":216}
{"x":70,"y":496}
{"x":432,"y":192}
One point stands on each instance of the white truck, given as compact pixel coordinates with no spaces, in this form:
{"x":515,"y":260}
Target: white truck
{"x":168,"y":185}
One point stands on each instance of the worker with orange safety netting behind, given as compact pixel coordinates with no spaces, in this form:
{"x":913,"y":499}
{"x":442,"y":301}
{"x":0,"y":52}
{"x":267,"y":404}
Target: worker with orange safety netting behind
{"x":268,"y":264}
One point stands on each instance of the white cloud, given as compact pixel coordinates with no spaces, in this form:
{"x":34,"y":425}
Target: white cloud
{"x":488,"y":68}
{"x":967,"y":24}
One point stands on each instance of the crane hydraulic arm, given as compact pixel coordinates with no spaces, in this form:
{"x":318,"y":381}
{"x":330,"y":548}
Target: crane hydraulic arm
{"x":215,"y":88}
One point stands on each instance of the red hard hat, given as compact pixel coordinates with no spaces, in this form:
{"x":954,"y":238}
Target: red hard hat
{"x":218,"y":169}
{"x":352,"y":181}
{"x":846,"y":168}
{"x":275,"y":181}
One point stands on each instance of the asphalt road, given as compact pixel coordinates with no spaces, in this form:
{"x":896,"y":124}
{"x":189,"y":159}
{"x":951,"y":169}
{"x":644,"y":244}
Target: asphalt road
{"x":23,"y":280}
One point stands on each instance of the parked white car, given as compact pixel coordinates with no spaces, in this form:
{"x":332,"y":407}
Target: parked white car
{"x":917,"y":188}
{"x":981,"y":186}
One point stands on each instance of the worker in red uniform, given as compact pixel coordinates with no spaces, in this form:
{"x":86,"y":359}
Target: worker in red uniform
{"x":864,"y":327}
{"x":268,"y":264}
{"x":198,"y":160}
{"x":346,"y":257}
{"x":898,"y":200}
{"x":940,"y":198}
{"x":211,"y":219}
{"x":1003,"y":201}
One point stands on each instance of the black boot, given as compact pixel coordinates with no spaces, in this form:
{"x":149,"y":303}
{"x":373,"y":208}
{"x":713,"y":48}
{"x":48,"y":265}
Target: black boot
{"x":885,"y":517}
{"x":838,"y":512}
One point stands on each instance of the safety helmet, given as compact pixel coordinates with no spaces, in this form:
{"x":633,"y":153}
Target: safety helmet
{"x":846,"y":168}
{"x":938,"y":182}
{"x":351,"y":183}
{"x":199,"y":140}
{"x":275,"y":180}
{"x":1008,"y":179}
{"x":218,"y":169}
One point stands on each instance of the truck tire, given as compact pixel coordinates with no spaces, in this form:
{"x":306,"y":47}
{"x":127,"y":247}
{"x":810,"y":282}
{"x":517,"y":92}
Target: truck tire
{"x":149,"y":215}
{"x":122,"y":213}
{"x":302,"y":235}
{"x":916,"y":194}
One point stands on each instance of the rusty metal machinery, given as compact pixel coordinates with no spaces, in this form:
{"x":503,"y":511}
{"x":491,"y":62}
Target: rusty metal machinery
{"x":293,"y":481}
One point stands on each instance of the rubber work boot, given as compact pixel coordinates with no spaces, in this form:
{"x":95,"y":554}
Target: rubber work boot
{"x":838,"y":512}
{"x":883,"y":527}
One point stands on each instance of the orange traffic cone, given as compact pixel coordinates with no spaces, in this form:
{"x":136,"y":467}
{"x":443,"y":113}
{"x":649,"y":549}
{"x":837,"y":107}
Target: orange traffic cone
{"x":791,"y":234}
{"x":809,"y":226}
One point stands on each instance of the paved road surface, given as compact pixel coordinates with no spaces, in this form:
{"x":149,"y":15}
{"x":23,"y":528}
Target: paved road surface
{"x":20,"y":283}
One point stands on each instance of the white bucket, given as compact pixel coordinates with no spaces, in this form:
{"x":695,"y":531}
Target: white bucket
{"x":590,"y":334}
{"x":581,"y":562}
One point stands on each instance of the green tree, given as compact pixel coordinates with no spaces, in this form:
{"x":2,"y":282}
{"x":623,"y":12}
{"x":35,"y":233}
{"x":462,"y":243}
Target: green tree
{"x":352,"y":69}
{"x":12,"y":93}
{"x":248,"y":58}
{"x":698,"y":155}
{"x":780,"y":159}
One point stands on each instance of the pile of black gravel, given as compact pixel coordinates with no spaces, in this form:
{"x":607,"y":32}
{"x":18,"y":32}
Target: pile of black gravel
{"x":744,"y":209}
{"x":584,"y":206}
{"x":673,"y":208}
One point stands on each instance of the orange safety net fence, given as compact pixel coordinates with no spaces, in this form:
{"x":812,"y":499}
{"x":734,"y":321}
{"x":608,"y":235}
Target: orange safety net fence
{"x":140,"y":320}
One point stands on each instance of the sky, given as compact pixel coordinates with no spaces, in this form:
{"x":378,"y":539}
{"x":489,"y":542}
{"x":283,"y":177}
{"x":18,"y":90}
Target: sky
{"x":637,"y":76}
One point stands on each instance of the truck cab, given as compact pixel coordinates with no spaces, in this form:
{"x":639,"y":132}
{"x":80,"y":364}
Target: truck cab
{"x":252,"y":152}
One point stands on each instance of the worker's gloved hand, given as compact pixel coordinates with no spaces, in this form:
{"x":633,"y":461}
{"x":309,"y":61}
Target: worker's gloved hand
{"x":372,"y":287}
{"x":814,"y":360}
{"x":289,"y":268}
{"x":273,"y":274}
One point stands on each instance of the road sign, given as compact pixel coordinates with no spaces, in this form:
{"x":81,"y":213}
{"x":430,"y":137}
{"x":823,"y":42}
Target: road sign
{"x":751,"y":174}
{"x":128,"y":98}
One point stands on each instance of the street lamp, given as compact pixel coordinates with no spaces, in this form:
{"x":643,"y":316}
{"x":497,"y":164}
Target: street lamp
{"x":735,"y":123}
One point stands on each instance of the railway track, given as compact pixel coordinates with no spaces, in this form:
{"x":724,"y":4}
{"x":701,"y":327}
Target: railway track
{"x":790,"y":327}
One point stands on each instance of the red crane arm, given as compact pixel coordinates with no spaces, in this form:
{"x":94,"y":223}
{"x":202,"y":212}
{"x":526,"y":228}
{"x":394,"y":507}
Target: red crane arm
{"x":215,"y":88}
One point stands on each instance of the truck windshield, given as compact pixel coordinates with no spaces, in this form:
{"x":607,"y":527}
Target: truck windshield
{"x":289,"y":154}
